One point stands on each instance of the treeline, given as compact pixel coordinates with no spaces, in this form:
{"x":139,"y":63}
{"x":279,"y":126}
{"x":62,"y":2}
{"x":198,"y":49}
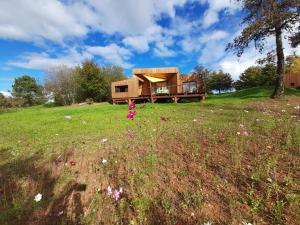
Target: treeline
{"x":253,"y":76}
{"x":87,"y":82}
{"x":214,"y":80}
{"x":63,"y":85}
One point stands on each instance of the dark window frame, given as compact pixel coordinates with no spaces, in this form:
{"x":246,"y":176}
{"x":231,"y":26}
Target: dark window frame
{"x":121,"y":88}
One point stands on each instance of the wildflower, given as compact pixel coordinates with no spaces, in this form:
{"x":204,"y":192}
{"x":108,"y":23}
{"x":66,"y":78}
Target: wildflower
{"x":194,"y":120}
{"x":192,"y":214}
{"x":109,"y":190}
{"x":283,"y":110}
{"x":38,"y":197}
{"x":68,"y":117}
{"x":131,"y":114}
{"x":60,"y":213}
{"x":269,"y":146}
{"x":246,"y":223}
{"x":241,"y":125}
{"x":246,"y":111}
{"x":293,"y":116}
{"x":269,"y":179}
{"x":131,"y":106}
{"x":154,"y":130}
{"x":297,"y":107}
{"x":245,"y":133}
{"x":104,"y":140}
{"x":73,"y":163}
{"x":117,"y":194}
{"x":104,"y":161}
{"x":207,"y":223}
{"x":238,"y":133}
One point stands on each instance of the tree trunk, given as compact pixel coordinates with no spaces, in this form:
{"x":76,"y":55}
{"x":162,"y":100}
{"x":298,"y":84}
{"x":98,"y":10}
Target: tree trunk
{"x":279,"y":86}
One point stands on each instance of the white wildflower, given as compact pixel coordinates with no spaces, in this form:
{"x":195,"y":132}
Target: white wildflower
{"x":283,"y":110}
{"x":246,"y":223}
{"x":194,"y":120}
{"x":109,"y":190}
{"x":297,"y":107}
{"x":246,"y":111}
{"x":104,"y":161}
{"x":38,"y":197}
{"x":192,"y":214}
{"x":104,"y":140}
{"x":207,"y":223}
{"x":60,"y":213}
{"x":68,"y":117}
{"x":269,"y":179}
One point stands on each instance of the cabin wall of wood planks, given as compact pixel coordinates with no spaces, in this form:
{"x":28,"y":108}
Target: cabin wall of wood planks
{"x":292,"y":80}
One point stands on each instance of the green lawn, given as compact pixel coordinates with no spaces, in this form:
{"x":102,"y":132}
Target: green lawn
{"x":234,"y":158}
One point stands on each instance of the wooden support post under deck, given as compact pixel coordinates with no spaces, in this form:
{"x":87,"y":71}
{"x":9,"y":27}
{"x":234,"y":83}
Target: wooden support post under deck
{"x":151,"y":92}
{"x":129,"y":101}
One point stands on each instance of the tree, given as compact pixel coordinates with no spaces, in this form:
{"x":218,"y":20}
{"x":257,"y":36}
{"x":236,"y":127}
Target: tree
{"x":295,"y":38}
{"x":256,"y":76}
{"x":61,"y":84}
{"x":91,"y":82}
{"x":249,"y":78}
{"x":3,"y":101}
{"x":203,"y":74}
{"x":292,"y":63}
{"x":219,"y":81}
{"x":268,"y":75}
{"x":111,"y":73}
{"x":26,"y":87}
{"x":265,"y":18}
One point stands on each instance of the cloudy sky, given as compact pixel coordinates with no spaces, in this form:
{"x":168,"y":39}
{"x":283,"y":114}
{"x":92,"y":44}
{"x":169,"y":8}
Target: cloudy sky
{"x":36,"y":35}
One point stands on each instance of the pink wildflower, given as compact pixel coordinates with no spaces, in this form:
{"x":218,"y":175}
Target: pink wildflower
{"x":131,"y":114}
{"x":131,"y":106}
{"x":117,"y":194}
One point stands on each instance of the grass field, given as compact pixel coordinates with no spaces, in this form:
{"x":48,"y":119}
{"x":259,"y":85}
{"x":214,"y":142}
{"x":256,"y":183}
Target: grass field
{"x":233,"y":159}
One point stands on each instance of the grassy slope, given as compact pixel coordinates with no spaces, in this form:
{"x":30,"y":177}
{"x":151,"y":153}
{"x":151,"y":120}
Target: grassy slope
{"x":171,"y":167}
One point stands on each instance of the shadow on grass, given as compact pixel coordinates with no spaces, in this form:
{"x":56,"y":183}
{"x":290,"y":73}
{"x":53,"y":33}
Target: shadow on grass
{"x":21,"y":180}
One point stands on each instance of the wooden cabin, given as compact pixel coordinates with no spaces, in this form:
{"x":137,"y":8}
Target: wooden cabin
{"x":292,"y":80}
{"x":154,"y":83}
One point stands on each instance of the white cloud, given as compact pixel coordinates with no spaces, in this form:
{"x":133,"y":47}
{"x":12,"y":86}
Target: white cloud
{"x":211,"y":15}
{"x":44,"y":61}
{"x":39,"y":20}
{"x":54,"y":20}
{"x":112,"y":54}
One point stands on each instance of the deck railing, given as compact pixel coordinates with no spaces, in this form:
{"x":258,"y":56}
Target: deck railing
{"x":169,"y":90}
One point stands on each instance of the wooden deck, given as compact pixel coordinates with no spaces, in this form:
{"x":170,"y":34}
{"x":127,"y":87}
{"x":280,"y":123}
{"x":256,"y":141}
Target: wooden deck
{"x":153,"y":98}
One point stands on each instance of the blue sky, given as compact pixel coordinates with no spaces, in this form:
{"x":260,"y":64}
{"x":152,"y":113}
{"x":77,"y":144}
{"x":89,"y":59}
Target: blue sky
{"x":37,"y":35}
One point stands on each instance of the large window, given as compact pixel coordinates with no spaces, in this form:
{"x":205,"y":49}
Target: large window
{"x":121,"y":88}
{"x":189,"y":87}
